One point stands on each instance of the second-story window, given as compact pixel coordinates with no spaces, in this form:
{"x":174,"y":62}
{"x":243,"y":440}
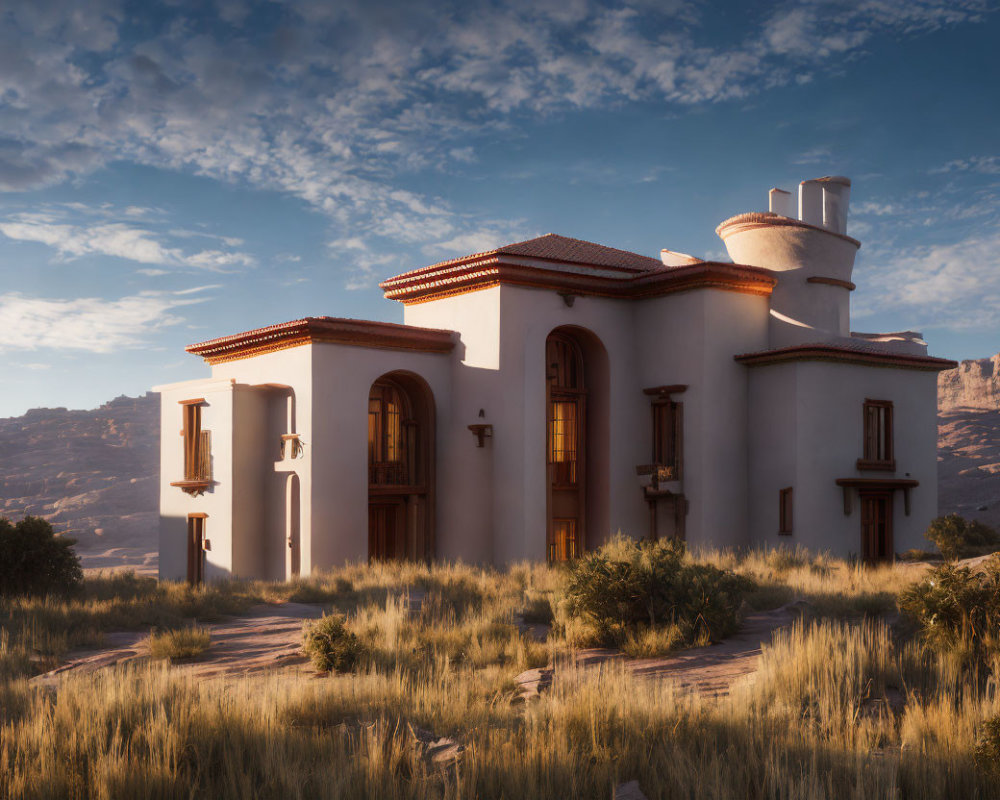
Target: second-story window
{"x":197,"y":444}
{"x":877,"y":431}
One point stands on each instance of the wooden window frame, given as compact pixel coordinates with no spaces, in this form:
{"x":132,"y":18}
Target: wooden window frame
{"x":877,"y":436}
{"x":668,"y":427}
{"x":786,"y":511}
{"x":197,"y":449}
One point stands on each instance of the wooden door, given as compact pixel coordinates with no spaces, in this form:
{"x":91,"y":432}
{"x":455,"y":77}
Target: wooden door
{"x":876,"y":526}
{"x":566,"y":448}
{"x":386,"y":531}
{"x":196,"y":550}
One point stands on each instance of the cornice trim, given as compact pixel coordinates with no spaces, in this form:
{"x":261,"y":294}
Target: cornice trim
{"x":312,"y":330}
{"x":484,"y":273}
{"x":845,"y":355}
{"x":768,"y":219}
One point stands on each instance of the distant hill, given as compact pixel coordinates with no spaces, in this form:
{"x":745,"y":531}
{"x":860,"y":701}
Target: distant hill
{"x":969,"y":440}
{"x":95,"y":474}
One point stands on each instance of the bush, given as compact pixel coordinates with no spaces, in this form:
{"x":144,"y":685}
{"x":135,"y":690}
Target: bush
{"x":180,"y":643}
{"x":329,"y":645}
{"x":957,"y":537}
{"x":958,"y":609}
{"x":987,"y":752}
{"x":625,"y":586}
{"x":33,"y":561}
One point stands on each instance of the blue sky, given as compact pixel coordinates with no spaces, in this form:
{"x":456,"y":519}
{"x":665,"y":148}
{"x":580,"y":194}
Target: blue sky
{"x":172,"y":172}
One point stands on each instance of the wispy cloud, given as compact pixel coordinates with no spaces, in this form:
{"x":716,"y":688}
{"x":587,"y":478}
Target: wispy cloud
{"x":985,"y":165}
{"x":121,"y":240}
{"x":329,"y":103}
{"x":955,"y":285}
{"x":88,"y":324}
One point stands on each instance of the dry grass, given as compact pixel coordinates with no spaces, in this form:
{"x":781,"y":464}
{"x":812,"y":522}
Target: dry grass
{"x":179,"y":644}
{"x":839,"y":709}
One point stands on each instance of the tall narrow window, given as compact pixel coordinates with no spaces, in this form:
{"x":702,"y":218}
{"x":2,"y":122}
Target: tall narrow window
{"x":785,"y":510}
{"x":197,"y":449}
{"x":562,"y":439}
{"x":388,"y":434}
{"x":667,"y":437}
{"x":877,"y":432}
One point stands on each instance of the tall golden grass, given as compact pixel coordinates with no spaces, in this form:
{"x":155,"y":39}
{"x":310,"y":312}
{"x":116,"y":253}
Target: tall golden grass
{"x":840,"y":707}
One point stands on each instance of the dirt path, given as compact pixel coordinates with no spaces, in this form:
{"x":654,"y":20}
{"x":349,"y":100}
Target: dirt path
{"x":267,"y":637}
{"x":710,"y":670}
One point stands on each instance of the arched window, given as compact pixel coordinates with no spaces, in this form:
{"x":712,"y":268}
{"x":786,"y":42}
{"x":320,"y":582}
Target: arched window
{"x":566,"y":446}
{"x":400,"y":468}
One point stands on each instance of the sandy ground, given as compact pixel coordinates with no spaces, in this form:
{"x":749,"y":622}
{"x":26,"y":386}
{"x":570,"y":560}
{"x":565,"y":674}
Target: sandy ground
{"x":120,"y":559}
{"x":268,"y":637}
{"x":711,"y":670}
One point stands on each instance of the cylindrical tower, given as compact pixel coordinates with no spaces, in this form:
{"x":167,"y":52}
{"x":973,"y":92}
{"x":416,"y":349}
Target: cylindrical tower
{"x":811,"y":254}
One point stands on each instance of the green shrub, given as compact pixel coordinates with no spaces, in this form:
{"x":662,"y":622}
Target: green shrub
{"x":33,"y":561}
{"x":957,"y":609}
{"x":957,"y":537}
{"x":330,"y":646}
{"x":625,"y":586}
{"x":180,"y":643}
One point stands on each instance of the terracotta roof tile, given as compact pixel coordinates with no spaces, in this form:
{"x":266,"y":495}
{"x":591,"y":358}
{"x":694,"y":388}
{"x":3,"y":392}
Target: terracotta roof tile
{"x":554,"y":247}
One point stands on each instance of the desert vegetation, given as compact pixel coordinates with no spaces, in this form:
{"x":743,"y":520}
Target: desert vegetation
{"x":861,"y":697}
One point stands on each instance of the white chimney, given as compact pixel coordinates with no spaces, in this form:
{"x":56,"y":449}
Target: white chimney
{"x":811,"y":202}
{"x":780,"y":202}
{"x":836,"y":196}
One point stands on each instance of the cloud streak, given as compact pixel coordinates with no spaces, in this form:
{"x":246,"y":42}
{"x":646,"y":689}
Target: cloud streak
{"x":88,"y":324}
{"x":119,"y":240}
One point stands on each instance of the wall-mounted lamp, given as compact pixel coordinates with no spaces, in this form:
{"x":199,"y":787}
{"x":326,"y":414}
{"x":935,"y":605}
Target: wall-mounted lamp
{"x":482,"y":433}
{"x":568,"y":298}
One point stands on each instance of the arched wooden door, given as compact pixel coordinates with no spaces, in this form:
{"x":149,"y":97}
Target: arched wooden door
{"x":400,"y":439}
{"x":566,"y":447}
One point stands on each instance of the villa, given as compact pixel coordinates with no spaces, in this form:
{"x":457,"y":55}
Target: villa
{"x":546,"y":394}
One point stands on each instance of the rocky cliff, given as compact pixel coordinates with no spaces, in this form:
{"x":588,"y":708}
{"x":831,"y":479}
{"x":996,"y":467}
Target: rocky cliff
{"x":974,"y":385}
{"x":93,"y":474}
{"x":969,"y":440}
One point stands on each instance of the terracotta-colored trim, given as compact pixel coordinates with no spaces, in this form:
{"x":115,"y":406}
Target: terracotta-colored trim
{"x":844,"y":355}
{"x":311,"y":330}
{"x":198,"y":401}
{"x":659,"y":391}
{"x":649,"y":283}
{"x":768,"y":219}
{"x":198,"y":515}
{"x":832,"y":282}
{"x":192,"y":487}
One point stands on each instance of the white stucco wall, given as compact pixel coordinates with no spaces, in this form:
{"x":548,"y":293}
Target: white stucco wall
{"x":806,"y":419}
{"x":217,"y":501}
